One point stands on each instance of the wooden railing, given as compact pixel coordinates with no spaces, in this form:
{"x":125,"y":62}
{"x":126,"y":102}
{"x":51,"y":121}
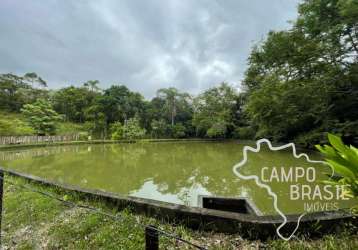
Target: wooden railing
{"x":29,"y":139}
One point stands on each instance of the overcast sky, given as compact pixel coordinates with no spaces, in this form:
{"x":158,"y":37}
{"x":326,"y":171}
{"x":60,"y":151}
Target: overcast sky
{"x":148,"y":44}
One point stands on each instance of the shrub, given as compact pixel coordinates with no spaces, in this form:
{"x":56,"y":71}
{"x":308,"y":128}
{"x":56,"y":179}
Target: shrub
{"x":116,"y":130}
{"x":244,"y":133}
{"x":178,"y":130}
{"x":83,"y":136}
{"x":41,"y":116}
{"x":217,"y":130}
{"x":159,"y":128}
{"x":14,"y":127}
{"x":130,"y":130}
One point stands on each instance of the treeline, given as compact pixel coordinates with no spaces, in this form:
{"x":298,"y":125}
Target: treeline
{"x":121,"y":113}
{"x":300,"y":84}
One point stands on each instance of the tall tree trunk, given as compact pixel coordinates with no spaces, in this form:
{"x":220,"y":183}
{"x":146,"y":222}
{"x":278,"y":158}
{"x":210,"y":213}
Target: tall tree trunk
{"x":173,"y":112}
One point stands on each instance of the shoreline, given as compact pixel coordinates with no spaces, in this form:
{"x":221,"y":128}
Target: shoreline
{"x":249,"y":225}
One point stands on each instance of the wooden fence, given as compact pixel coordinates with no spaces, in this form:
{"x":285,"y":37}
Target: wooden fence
{"x":29,"y":139}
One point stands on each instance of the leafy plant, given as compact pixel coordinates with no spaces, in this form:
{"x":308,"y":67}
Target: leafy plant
{"x":344,"y":161}
{"x":216,"y":111}
{"x":41,"y":116}
{"x":117,"y":131}
{"x":130,"y":130}
{"x":13,"y":126}
{"x":159,"y":128}
{"x":178,"y":130}
{"x":245,"y":132}
{"x":217,"y":130}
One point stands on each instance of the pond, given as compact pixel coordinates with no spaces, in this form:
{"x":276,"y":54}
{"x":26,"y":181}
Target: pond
{"x":176,"y":172}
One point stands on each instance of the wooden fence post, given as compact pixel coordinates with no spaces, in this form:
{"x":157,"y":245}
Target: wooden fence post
{"x":151,"y":238}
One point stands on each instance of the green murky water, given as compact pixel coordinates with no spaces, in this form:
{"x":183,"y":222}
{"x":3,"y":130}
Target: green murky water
{"x":173,"y":172}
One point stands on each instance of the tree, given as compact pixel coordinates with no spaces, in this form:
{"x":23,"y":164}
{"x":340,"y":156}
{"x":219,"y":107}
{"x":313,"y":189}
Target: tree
{"x":309,"y":87}
{"x":217,"y":130}
{"x":284,"y":111}
{"x":15,"y":91}
{"x":121,"y":104}
{"x":73,"y":101}
{"x":34,"y":78}
{"x":132,"y":129}
{"x":117,"y":131}
{"x":216,"y":110}
{"x":178,"y":130}
{"x":156,"y":109}
{"x":96,"y":122}
{"x":92,"y":85}
{"x":334,"y":22}
{"x":129,"y":130}
{"x":174,"y":100}
{"x":159,"y":128}
{"x":41,"y":117}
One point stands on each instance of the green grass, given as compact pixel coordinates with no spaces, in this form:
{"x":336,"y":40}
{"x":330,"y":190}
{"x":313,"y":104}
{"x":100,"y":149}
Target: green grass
{"x":33,"y":221}
{"x":13,"y":124}
{"x":69,"y":128}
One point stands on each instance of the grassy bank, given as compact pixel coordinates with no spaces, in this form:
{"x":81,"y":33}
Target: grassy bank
{"x":14,"y":124}
{"x":45,"y":144}
{"x":34,"y":221}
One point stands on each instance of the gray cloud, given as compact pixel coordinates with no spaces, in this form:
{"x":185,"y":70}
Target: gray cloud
{"x":145,"y":45}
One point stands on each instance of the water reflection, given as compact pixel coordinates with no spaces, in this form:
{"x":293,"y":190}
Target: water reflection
{"x":171,"y":172}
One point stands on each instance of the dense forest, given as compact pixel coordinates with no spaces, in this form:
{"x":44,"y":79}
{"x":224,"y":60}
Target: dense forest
{"x":300,"y":84}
